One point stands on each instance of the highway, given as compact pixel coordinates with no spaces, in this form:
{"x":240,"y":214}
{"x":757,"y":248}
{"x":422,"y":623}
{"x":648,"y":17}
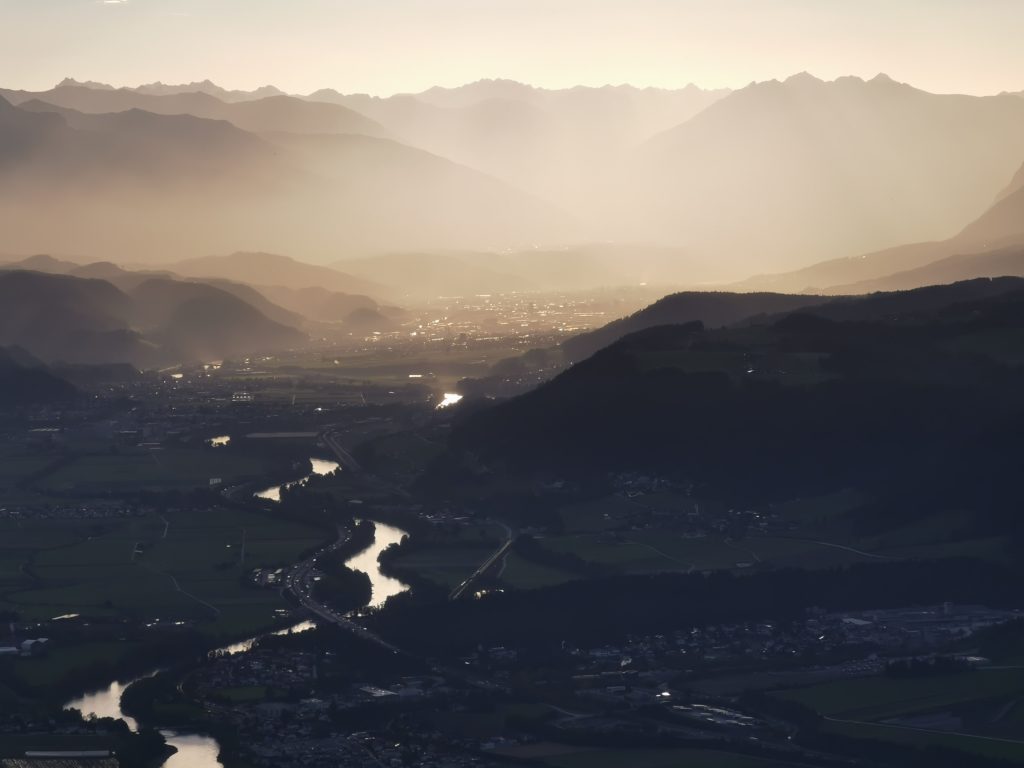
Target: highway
{"x":299,"y":583}
{"x":489,"y":563}
{"x":344,"y":457}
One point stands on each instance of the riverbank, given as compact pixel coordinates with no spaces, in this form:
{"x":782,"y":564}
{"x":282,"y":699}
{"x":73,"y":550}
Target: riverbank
{"x":200,"y":742}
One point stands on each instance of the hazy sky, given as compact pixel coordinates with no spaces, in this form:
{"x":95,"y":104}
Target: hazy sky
{"x":384,"y":46}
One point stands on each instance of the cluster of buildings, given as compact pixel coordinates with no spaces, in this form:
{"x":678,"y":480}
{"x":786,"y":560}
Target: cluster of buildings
{"x":80,"y":510}
{"x":286,"y":714}
{"x":31,"y":647}
{"x":666,"y":503}
{"x":361,"y":750}
{"x":888,"y":632}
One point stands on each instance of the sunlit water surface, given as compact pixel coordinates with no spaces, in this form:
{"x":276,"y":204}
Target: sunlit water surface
{"x":366,"y":561}
{"x":320,"y":467}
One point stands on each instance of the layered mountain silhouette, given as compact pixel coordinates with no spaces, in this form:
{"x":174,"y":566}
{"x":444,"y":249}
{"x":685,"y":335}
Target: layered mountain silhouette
{"x":271,"y":269}
{"x":194,"y":321}
{"x":271,"y":113}
{"x":483,"y":187}
{"x":319,"y":304}
{"x":712,"y":309}
{"x":555,"y":143}
{"x":159,"y":321}
{"x":136,"y":186}
{"x":801,"y":170}
{"x":207,"y":87}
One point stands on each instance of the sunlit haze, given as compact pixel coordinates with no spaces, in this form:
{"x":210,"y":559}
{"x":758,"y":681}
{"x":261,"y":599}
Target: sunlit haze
{"x":493,"y":383}
{"x":387,"y":46}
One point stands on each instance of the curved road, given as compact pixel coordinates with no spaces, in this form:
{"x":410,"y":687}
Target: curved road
{"x":299,"y":583}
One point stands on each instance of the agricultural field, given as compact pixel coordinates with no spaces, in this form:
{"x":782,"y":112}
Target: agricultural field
{"x":447,"y":566}
{"x":654,"y":758}
{"x":440,"y":365}
{"x":656,"y":550}
{"x":877,"y":698}
{"x":998,"y":748}
{"x":189,"y":565}
{"x":16,"y":467}
{"x":641,"y":535}
{"x":172,"y":469}
{"x":449,"y":555}
{"x":885,"y":708}
{"x":520,"y":573}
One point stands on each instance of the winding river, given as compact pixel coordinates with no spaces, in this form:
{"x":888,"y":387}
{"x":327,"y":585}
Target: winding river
{"x":320,"y":467}
{"x":200,"y":751}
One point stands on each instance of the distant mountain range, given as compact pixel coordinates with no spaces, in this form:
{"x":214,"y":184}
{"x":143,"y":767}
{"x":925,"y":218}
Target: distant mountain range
{"x":271,"y":269}
{"x":140,"y":186}
{"x":796,"y":171}
{"x":557,"y":144}
{"x":270,"y":113}
{"x":497,"y":185}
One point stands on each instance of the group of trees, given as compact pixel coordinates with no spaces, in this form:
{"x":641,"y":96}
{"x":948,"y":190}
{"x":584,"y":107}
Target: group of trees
{"x":905,"y":669}
{"x":921,"y":415}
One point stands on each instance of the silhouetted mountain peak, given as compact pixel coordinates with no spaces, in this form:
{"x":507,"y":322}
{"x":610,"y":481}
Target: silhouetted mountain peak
{"x":42,"y":262}
{"x":209,"y":88}
{"x":803,"y":79}
{"x":71,"y":82}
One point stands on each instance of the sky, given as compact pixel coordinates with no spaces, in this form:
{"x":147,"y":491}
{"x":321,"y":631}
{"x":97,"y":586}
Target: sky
{"x":388,"y":46}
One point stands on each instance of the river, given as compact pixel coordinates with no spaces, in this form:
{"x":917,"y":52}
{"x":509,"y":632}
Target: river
{"x":366,"y":561}
{"x":198,"y":750}
{"x":320,"y":467}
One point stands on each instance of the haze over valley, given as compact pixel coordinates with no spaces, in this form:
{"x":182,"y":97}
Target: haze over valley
{"x":525,"y":383}
{"x":770,"y":177}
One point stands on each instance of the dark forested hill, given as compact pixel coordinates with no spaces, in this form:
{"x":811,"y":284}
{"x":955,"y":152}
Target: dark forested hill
{"x":713,"y":308}
{"x":717,"y":309}
{"x":203,"y":322}
{"x":62,"y":318}
{"x":26,"y":381}
{"x":916,"y":402}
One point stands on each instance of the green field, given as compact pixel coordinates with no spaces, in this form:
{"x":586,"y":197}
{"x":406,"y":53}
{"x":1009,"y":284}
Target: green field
{"x":654,"y":550}
{"x":877,"y":698}
{"x":171,"y":469}
{"x":857,"y":708}
{"x":248,"y":693}
{"x":524,"y":574}
{"x":990,"y":747}
{"x":14,"y":468}
{"x":184,"y":566}
{"x":655,"y":758}
{"x":448,"y":566}
{"x":599,"y":515}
